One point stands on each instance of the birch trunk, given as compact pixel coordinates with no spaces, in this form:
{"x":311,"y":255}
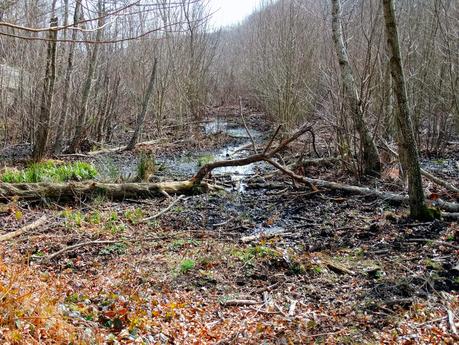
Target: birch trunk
{"x":407,"y":144}
{"x":370,"y":160}
{"x":141,"y":115}
{"x":47,"y":96}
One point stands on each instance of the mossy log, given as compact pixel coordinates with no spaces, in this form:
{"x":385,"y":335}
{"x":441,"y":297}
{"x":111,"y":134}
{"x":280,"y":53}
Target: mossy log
{"x":33,"y":191}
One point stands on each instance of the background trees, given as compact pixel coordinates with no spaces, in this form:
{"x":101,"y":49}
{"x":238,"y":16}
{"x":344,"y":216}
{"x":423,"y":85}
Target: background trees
{"x":103,"y":63}
{"x":281,"y":60}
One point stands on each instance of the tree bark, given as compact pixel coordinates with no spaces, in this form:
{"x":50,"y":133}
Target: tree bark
{"x":370,"y":160}
{"x":68,"y":75}
{"x":141,"y":115}
{"x":47,"y":95}
{"x":81,"y":120}
{"x":407,"y":144}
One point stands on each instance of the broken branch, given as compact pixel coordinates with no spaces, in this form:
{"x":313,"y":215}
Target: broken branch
{"x":31,"y":226}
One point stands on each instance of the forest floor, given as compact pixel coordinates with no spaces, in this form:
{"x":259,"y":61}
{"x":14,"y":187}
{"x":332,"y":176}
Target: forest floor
{"x":261,"y":262}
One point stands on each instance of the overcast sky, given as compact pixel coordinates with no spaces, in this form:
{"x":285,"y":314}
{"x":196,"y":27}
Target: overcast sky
{"x":231,"y":11}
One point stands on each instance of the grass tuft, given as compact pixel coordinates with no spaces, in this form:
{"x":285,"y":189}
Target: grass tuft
{"x":187,"y":265}
{"x":146,"y":167}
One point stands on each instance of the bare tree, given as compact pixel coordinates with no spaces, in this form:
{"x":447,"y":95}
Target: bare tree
{"x":141,"y":116}
{"x":80,"y":125}
{"x":68,"y":75}
{"x":370,"y":159}
{"x":407,"y":141}
{"x":47,"y":96}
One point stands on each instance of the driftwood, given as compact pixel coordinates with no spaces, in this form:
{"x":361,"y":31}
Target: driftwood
{"x":28,"y":227}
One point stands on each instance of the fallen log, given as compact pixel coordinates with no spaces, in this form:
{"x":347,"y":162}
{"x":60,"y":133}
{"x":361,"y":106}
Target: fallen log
{"x":118,"y":149}
{"x":449,"y":186}
{"x":389,"y":196}
{"x":33,"y":191}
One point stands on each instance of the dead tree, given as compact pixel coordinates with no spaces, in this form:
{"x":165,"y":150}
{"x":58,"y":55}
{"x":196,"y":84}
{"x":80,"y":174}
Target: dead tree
{"x":47,"y":95}
{"x":407,"y":143}
{"x":370,"y":159}
{"x":141,"y":116}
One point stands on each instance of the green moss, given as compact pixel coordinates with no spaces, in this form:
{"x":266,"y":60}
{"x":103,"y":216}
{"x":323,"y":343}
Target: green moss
{"x":205,"y":159}
{"x":429,"y":214}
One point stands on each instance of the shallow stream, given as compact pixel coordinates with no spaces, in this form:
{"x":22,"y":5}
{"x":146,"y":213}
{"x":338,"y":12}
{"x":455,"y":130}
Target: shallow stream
{"x":187,"y":164}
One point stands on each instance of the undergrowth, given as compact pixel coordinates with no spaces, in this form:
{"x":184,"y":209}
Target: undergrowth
{"x":50,"y":171}
{"x":29,"y":308}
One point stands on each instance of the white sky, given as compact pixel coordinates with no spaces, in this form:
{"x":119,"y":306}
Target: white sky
{"x":231,"y":11}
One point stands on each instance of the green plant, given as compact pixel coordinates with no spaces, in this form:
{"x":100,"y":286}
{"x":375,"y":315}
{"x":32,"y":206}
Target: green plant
{"x":116,"y":248}
{"x":95,"y":218}
{"x":296,"y":268}
{"x":50,"y":171}
{"x":113,"y":217}
{"x":134,"y":216}
{"x":180,"y":243}
{"x":317,"y":269}
{"x":205,"y":159}
{"x":73,"y":218}
{"x":186,"y":265}
{"x":178,"y":209}
{"x":113,"y":224}
{"x":247,"y":255}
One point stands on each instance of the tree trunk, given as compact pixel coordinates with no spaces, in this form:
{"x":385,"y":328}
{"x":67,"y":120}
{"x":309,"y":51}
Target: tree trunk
{"x":407,"y":143}
{"x":68,"y":75}
{"x":141,"y":115}
{"x":81,"y":120}
{"x":370,"y":160}
{"x":47,"y":96}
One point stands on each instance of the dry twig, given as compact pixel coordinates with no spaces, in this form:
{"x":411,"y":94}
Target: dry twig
{"x":28,"y":227}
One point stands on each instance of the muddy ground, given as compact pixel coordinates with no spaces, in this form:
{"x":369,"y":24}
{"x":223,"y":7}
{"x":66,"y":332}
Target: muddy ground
{"x":266,"y":263}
